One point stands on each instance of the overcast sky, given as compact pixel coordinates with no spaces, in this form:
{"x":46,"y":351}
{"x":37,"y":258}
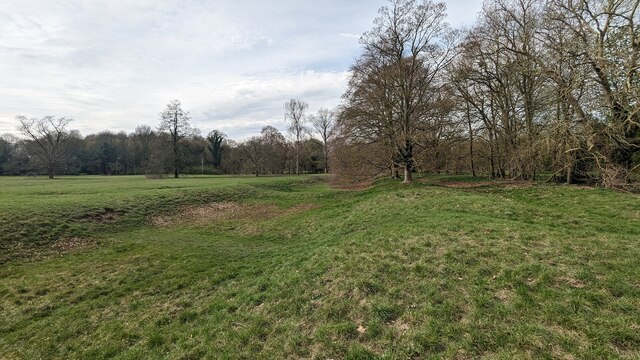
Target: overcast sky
{"x":115,"y":64}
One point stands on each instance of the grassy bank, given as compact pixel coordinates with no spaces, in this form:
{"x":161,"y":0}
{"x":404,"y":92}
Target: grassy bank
{"x":282,"y":267}
{"x":35,"y":213}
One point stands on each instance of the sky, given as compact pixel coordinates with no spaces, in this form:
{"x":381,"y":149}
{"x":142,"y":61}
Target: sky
{"x":115,"y":64}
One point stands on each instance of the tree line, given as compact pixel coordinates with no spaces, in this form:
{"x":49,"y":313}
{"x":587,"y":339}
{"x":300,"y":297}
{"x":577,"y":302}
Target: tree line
{"x":535,"y":88}
{"x":174,"y":147}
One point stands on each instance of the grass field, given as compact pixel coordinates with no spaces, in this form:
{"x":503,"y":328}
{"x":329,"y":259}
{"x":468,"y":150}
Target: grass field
{"x":288,"y":267}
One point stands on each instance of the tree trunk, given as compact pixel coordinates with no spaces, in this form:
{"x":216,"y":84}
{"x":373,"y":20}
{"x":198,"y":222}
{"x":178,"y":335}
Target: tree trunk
{"x":408,"y":174}
{"x":297,"y":159}
{"x":473,"y":168}
{"x":407,"y":160}
{"x":326,"y":160}
{"x":491,"y":155}
{"x":175,"y":158}
{"x":570,"y":167}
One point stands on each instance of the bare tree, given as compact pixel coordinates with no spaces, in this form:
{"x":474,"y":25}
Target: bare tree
{"x":603,"y":40}
{"x":404,"y":57}
{"x":294,"y":114}
{"x":275,"y":150}
{"x":367,"y":118}
{"x":253,"y":150}
{"x":177,"y":122}
{"x":48,"y":136}
{"x":324,"y":124}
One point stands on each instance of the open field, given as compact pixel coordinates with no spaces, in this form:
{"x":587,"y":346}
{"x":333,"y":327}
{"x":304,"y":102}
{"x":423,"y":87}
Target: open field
{"x":214,"y":267}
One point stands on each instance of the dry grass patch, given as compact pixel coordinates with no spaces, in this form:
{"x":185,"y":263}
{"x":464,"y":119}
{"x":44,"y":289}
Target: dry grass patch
{"x":107,"y":215}
{"x":504,"y":295}
{"x":56,"y":249}
{"x":219,"y":211}
{"x":352,"y":186}
{"x":206,"y":214}
{"x":71,"y":244}
{"x":401,"y":326}
{"x":507,"y":184}
{"x":574,"y":283}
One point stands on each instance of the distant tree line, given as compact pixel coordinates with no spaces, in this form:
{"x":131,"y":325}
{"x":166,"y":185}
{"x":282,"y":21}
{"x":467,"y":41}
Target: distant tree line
{"x":49,"y":147}
{"x":535,"y":88}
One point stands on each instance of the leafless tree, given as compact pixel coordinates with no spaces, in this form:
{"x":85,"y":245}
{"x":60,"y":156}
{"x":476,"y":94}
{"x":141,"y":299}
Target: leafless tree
{"x":253,"y":150}
{"x":275,"y":149}
{"x":177,"y":122}
{"x":399,"y":77}
{"x":294,"y":115}
{"x":497,"y":77}
{"x":48,"y":136}
{"x":601,"y":39}
{"x":324,"y":124}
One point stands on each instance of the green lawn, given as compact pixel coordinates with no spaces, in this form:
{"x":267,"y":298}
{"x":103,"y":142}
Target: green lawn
{"x":288,"y":267}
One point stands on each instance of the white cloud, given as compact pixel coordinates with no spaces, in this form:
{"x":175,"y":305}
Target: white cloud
{"x":114,"y":64}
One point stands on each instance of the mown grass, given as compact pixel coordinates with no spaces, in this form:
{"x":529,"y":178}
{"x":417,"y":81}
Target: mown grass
{"x":421,"y":271}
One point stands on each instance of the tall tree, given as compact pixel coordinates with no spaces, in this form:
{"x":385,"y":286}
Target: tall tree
{"x":253,"y":151}
{"x":215,"y":139}
{"x":177,"y":122}
{"x":294,"y":114}
{"x":324,"y":124}
{"x":47,"y":137}
{"x":405,"y":55}
{"x":275,"y":149}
